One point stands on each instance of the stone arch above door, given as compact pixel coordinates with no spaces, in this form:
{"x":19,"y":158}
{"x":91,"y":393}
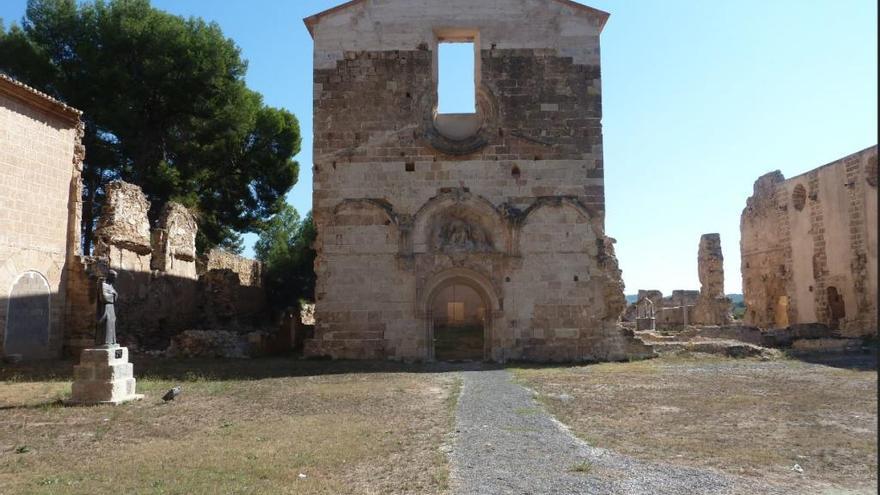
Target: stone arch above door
{"x":438,"y":283}
{"x":464,"y":276}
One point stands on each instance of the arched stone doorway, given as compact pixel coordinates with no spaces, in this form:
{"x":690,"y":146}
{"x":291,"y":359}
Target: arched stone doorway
{"x":28,"y":317}
{"x":459,"y":306}
{"x":458,"y":317}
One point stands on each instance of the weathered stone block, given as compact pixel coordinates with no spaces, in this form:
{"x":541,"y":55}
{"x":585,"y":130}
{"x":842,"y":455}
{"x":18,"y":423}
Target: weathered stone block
{"x":104,"y":376}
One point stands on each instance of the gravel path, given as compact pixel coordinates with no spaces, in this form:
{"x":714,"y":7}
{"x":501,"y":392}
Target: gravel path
{"x":506,"y":443}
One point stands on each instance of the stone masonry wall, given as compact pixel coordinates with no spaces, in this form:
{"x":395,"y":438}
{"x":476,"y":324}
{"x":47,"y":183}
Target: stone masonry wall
{"x":40,"y":165}
{"x":161,"y":289}
{"x":232,"y":288}
{"x":809,"y":247}
{"x":515,"y":210}
{"x":713,"y":306}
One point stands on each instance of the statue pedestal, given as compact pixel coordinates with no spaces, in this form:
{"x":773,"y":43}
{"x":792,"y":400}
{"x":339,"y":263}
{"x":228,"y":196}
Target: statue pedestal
{"x":103,"y":376}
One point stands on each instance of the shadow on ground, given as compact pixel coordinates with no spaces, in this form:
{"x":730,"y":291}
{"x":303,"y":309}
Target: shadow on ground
{"x":866,"y":361}
{"x":189,"y":369}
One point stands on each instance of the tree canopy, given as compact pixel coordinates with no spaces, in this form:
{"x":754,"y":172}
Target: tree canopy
{"x":165,"y":107}
{"x":285,"y":248}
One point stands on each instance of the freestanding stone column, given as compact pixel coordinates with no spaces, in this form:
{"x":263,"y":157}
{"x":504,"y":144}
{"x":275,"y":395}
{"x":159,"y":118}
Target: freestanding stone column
{"x":713,"y":306}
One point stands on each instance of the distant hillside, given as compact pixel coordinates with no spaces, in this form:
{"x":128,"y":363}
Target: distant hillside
{"x":631,"y":298}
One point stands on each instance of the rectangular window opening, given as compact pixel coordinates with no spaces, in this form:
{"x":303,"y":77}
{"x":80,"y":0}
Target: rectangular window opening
{"x":456,"y":78}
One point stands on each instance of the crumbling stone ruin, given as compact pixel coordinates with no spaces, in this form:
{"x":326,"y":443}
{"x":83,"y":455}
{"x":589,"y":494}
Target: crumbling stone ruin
{"x":164,"y":288}
{"x":49,"y":290}
{"x":713,"y":306}
{"x":809,"y":248}
{"x":41,"y":157}
{"x":448,"y":236}
{"x":708,"y":306}
{"x":673,"y":311}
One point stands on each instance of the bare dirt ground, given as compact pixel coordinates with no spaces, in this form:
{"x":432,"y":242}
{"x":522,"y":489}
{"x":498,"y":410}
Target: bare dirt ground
{"x":748,"y":418}
{"x":240,"y":427}
{"x":288,"y":426}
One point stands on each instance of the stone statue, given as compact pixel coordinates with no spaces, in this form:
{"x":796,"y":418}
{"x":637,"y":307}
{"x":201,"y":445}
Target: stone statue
{"x":104,"y":375}
{"x":105,"y":336}
{"x":460,"y":236}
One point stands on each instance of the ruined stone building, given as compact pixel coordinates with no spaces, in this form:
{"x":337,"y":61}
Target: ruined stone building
{"x":48,"y":290}
{"x":164,"y":287}
{"x":705,"y":307}
{"x":452,"y":236}
{"x":809,"y":247}
{"x":40,"y":165}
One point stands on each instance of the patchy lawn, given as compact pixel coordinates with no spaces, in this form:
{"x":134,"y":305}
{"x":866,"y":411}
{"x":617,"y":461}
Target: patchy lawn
{"x":272,"y":426}
{"x":744,"y":417}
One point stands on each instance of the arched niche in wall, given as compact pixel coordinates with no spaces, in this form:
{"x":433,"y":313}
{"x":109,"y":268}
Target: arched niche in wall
{"x":459,"y":222}
{"x":28,"y":316}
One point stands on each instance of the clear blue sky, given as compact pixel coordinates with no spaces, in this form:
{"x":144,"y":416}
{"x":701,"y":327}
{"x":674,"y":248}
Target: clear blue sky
{"x":700,"y":98}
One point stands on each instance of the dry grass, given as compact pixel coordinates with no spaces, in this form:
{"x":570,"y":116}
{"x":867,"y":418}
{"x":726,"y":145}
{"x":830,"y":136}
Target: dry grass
{"x":242,"y":427}
{"x":744,"y":417}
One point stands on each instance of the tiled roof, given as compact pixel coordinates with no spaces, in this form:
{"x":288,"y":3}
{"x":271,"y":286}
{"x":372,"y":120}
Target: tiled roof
{"x":40,"y":99}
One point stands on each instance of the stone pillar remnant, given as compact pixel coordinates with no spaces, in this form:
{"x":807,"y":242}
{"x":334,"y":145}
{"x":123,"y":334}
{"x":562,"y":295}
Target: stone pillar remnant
{"x":713,"y":306}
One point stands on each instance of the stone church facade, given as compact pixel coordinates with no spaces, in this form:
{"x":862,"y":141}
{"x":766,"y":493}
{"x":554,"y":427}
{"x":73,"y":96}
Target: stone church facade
{"x":489,"y":223}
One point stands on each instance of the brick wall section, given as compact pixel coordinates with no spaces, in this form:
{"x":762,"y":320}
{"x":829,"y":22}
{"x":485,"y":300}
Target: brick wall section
{"x":516,"y":210}
{"x":40,"y":163}
{"x":806,"y":234}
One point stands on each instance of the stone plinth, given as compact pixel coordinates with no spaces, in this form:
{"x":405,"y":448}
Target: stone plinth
{"x":104,"y":376}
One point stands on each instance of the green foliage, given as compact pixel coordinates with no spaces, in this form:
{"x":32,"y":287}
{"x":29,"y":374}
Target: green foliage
{"x":234,"y":243}
{"x":285,"y":248}
{"x":166,"y":108}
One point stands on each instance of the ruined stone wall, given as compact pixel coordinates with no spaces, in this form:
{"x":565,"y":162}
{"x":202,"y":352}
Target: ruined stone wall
{"x":675,"y":310}
{"x":713,"y":306}
{"x":157,"y":282}
{"x":809,"y":247}
{"x":40,"y":165}
{"x":669,"y":317}
{"x":249,"y":271}
{"x":514,"y":210}
{"x":174,"y":242}
{"x":232,"y":288}
{"x":162,"y":289}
